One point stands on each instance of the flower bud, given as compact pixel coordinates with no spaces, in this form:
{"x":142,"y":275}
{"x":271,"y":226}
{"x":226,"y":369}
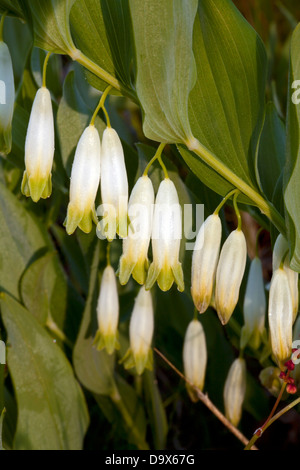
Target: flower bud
{"x":280,"y":316}
{"x":270,"y":378}
{"x":108,"y":312}
{"x":114,"y":186}
{"x":85,"y":176}
{"x":234,"y":391}
{"x":166,"y":237}
{"x":204,"y":261}
{"x":39,"y":148}
{"x":281,"y":249}
{"x":135,"y":246}
{"x":254,"y":307}
{"x":194,"y":357}
{"x":7,"y":98}
{"x":230,"y":271}
{"x":141,"y":329}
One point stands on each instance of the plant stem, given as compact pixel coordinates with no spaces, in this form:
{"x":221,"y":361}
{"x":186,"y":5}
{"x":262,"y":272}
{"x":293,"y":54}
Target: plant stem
{"x":1,"y":427}
{"x":101,"y":105}
{"x":224,"y":200}
{"x":266,"y":207}
{"x":117,"y":400}
{"x":157,"y":156}
{"x":237,"y":212}
{"x":45,"y":68}
{"x":2,"y":25}
{"x":100,"y":72}
{"x":207,"y":402}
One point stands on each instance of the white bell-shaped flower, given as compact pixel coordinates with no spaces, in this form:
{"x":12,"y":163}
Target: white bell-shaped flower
{"x":280,"y":251}
{"x":230,"y":272}
{"x":234,"y":391}
{"x":134,"y":259}
{"x":205,"y":260}
{"x":141,"y":329}
{"x":166,"y":238}
{"x":194,"y":357}
{"x":39,"y":148}
{"x":85,"y":176}
{"x":280,"y":312}
{"x":253,"y":332}
{"x":7,"y":98}
{"x":114,"y":186}
{"x":108,"y":312}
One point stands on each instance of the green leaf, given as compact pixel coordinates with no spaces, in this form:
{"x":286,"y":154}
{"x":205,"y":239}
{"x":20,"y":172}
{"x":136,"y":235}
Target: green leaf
{"x":13,"y":7}
{"x":102,"y":31}
{"x":226,"y":106}
{"x":163,"y":33}
{"x":292,"y":167}
{"x":50,"y":20}
{"x":270,"y":158}
{"x":95,"y":369}
{"x":52,"y":413}
{"x":156,"y":411}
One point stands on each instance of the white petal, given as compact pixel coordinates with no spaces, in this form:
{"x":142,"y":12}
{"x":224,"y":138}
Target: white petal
{"x":234,"y":391}
{"x":141,"y":323}
{"x":85,"y":173}
{"x":194,"y":354}
{"x":108,"y":303}
{"x":39,"y":145}
{"x":255,"y":298}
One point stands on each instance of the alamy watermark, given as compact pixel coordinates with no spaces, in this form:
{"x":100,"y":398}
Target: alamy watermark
{"x":2,"y":92}
{"x":179,"y":222}
{"x":296,"y":94}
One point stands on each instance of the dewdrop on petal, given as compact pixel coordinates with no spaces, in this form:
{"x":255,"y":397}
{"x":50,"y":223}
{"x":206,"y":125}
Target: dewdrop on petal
{"x":280,"y":314}
{"x":253,"y":332}
{"x":194,"y":357}
{"x":141,"y":329}
{"x":281,"y":249}
{"x":234,"y":391}
{"x":114,"y":186}
{"x":204,"y":261}
{"x":7,"y":98}
{"x":108,"y":312}
{"x":39,"y":148}
{"x":230,"y":272}
{"x":134,"y":259}
{"x":85,"y":176}
{"x":166,"y":238}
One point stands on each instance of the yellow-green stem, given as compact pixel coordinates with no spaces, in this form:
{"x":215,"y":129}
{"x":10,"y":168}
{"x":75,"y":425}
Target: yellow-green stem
{"x":2,"y":25}
{"x":157,"y":156}
{"x":117,"y":400}
{"x":100,"y":72}
{"x":101,"y":105}
{"x":236,"y":210}
{"x":224,"y":200}
{"x":45,"y":67}
{"x":266,"y":207}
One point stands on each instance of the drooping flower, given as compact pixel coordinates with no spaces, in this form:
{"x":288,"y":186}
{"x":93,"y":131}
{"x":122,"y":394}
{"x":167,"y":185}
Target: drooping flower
{"x":230,"y":271}
{"x":7,"y":98}
{"x":39,"y":148}
{"x":204,"y":261}
{"x":234,"y":391}
{"x":108,"y":312}
{"x":194,"y":357}
{"x":280,"y":251}
{"x":114,"y":186}
{"x":141,"y":329}
{"x":280,"y":314}
{"x":166,"y":237}
{"x":85,"y":176}
{"x":134,"y":259}
{"x":253,"y":332}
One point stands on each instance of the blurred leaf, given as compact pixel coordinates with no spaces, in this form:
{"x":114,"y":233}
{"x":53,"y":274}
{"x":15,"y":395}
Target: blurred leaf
{"x":156,"y":411}
{"x":72,"y":118}
{"x":54,"y":69}
{"x":270,"y":158}
{"x":52,"y":413}
{"x":226,"y":105}
{"x":102,"y":31}
{"x":10,"y":422}
{"x":17,"y":33}
{"x":12,"y":7}
{"x":165,"y":65}
{"x":50,"y":20}
{"x":95,"y":369}
{"x":292,"y":167}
